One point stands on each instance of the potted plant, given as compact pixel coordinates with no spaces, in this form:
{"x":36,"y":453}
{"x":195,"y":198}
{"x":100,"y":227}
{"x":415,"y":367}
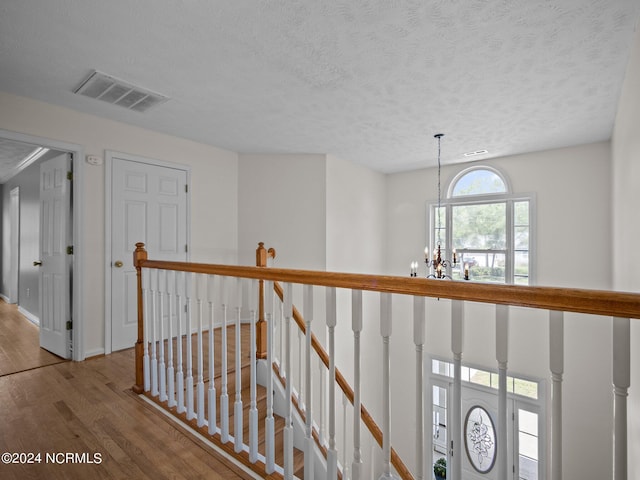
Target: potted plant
{"x":440,"y":468}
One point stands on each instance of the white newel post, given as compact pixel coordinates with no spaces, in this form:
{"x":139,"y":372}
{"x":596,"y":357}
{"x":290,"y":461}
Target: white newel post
{"x":356,"y":326}
{"x":502,"y":356}
{"x":237,"y":406}
{"x":253,"y":410}
{"x":556,"y":365}
{"x":309,"y":442}
{"x":457,"y":344}
{"x":212,"y":428}
{"x":269,"y":420}
{"x":621,"y":383}
{"x":418,"y":340}
{"x":180,"y":376}
{"x":385,"y":332}
{"x":332,"y":453}
{"x":288,"y":425}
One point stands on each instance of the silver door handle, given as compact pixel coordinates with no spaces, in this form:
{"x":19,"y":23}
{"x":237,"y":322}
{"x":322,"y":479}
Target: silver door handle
{"x":118,"y":264}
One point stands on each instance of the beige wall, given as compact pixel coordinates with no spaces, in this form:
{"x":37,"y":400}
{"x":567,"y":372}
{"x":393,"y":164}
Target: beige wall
{"x":213,"y":189}
{"x":626,"y":228}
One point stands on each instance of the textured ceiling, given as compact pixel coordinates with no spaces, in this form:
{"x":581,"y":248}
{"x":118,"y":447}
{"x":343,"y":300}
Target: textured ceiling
{"x":366,"y":80}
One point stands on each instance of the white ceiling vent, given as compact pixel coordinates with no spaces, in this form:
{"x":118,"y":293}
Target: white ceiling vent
{"x":117,"y":92}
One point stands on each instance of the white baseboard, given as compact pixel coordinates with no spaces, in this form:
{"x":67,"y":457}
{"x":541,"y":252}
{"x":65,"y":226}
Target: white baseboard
{"x":4,"y":297}
{"x":29,"y":316}
{"x":94,"y":353}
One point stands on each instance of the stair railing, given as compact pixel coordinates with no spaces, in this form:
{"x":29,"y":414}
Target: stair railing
{"x":165,"y":287}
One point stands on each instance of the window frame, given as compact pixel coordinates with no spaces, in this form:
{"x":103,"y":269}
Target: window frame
{"x":509,"y":199}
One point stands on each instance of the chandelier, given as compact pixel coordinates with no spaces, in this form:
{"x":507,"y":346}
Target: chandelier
{"x":436,"y":265}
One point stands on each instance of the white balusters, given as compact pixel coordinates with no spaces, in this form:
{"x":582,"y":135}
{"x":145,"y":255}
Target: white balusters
{"x":321,"y":406}
{"x":556,"y":363}
{"x":385,"y":332}
{"x":162,"y":369}
{"x":145,"y":358}
{"x":356,"y":326}
{"x":502,"y":356}
{"x":457,"y":343}
{"x":418,"y":340}
{"x":288,"y":420}
{"x":180,"y":290}
{"x":189,"y":378}
{"x":621,"y":382}
{"x":171,"y":384}
{"x":269,"y":420}
{"x":253,"y":410}
{"x":237,"y":406}
{"x":154,"y":319}
{"x":332,"y":453}
{"x":200,"y":386}
{"x":212,"y":358}
{"x":224,"y":394}
{"x":309,"y":441}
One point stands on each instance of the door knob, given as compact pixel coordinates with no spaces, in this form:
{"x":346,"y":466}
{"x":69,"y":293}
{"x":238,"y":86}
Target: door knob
{"x":37,"y":263}
{"x":118,"y":264}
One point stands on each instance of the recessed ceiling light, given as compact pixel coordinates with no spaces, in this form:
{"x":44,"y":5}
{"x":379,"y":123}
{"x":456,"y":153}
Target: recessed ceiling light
{"x":477,"y":152}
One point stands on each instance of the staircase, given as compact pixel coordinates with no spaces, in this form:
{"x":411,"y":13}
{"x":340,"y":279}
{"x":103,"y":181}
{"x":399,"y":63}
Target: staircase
{"x":245,"y":390}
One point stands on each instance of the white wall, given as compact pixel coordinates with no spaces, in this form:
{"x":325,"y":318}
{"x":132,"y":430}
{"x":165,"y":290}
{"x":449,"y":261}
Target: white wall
{"x":626,"y":227}
{"x":281,"y":202}
{"x":213,"y":188}
{"x":573,"y":239}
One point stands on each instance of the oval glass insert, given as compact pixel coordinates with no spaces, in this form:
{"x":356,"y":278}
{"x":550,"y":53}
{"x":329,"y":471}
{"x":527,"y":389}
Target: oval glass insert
{"x":480,"y":439}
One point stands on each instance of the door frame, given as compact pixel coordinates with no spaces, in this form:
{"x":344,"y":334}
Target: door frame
{"x":109,"y":156}
{"x":77,"y":205}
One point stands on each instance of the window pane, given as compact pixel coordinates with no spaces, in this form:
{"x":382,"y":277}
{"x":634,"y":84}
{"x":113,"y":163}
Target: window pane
{"x":521,"y":213}
{"x":480,"y":377}
{"x":521,"y":238}
{"x":521,"y":266}
{"x":479,"y":226}
{"x":528,"y":423}
{"x":484,"y":266}
{"x":439,"y":227}
{"x":528,"y":468}
{"x":526,"y":388}
{"x":478,"y":182}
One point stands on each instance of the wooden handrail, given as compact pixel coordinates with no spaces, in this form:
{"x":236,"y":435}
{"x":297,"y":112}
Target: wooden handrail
{"x":596,"y":302}
{"x":367,"y":419}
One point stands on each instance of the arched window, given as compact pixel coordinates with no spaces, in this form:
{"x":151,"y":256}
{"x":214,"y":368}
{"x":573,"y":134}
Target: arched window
{"x":488,"y":226}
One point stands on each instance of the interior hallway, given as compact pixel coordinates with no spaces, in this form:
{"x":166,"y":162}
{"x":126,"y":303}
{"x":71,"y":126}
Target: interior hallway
{"x":54,"y":406}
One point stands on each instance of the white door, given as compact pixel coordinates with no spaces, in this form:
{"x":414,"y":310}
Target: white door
{"x":14,"y":233}
{"x":479,"y":432}
{"x":55,"y":262}
{"x":148,"y":204}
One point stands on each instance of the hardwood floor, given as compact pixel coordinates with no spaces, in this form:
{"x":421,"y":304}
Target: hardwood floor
{"x":20,"y":343}
{"x":84,"y":422}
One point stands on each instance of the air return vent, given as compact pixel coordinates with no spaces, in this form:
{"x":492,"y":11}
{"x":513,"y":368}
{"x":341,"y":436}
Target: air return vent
{"x":117,"y":92}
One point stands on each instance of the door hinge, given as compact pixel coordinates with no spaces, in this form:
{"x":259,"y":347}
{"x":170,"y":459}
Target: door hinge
{"x":186,"y":189}
{"x":186,"y":249}
{"x":70,"y":250}
{"x":70,"y":176}
{"x":69,"y":325}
